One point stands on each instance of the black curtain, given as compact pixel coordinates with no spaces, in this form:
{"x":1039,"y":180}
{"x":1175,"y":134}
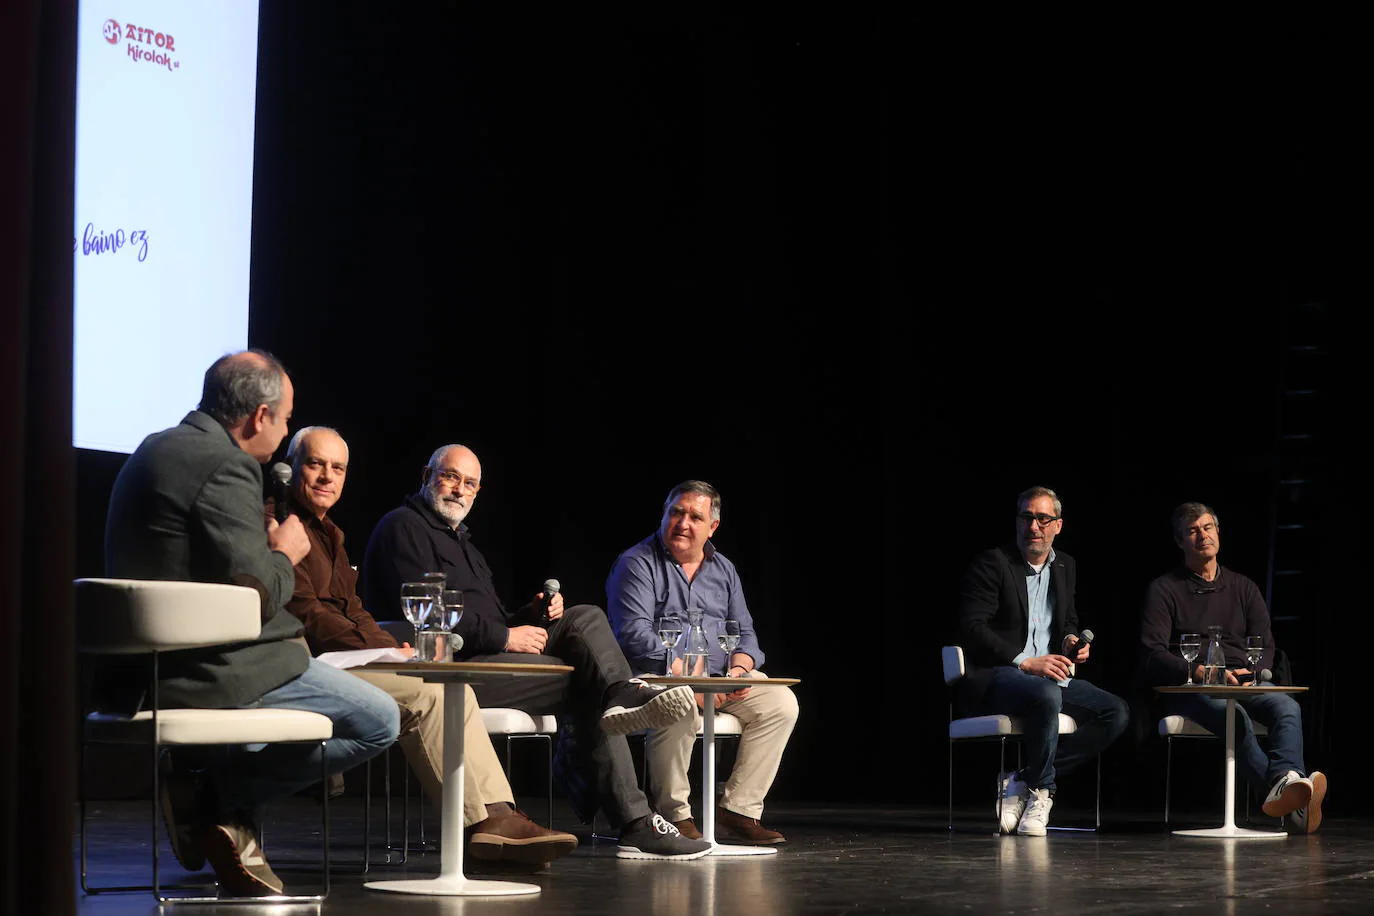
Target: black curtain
{"x":37,"y":789}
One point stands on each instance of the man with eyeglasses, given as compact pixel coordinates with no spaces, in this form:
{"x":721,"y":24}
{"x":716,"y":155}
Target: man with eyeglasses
{"x":1019,"y":626}
{"x":1201,"y":593}
{"x":601,"y":698}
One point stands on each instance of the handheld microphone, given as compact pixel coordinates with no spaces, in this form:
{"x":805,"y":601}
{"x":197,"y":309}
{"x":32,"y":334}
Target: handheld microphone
{"x":551,"y":588}
{"x":281,"y":485}
{"x":1085,"y":638}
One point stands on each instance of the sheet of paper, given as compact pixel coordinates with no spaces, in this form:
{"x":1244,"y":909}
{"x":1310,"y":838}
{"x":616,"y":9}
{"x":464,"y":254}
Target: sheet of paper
{"x":356,"y":658}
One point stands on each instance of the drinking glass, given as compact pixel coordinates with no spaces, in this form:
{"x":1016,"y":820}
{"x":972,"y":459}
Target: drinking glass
{"x":728,"y":638}
{"x":669,"y":632}
{"x":1189,"y":645}
{"x":450,"y":609}
{"x":417,"y":603}
{"x":1254,"y":648}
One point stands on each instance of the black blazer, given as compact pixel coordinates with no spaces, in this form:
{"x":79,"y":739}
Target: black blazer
{"x":994,"y":610}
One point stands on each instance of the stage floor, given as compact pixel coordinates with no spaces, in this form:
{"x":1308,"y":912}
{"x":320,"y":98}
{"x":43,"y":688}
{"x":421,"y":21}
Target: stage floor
{"x":839,"y":859}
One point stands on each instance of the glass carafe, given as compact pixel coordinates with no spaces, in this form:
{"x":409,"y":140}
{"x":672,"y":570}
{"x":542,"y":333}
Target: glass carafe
{"x":1214,"y":662}
{"x":696,"y":652}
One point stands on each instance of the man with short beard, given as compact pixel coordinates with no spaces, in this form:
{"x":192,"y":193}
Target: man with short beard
{"x":427,"y":533}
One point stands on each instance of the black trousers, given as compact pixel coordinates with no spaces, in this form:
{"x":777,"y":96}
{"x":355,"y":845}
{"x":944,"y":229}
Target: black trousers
{"x":602,"y":772}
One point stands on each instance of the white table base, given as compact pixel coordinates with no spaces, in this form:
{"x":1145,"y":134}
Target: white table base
{"x":1228,"y":830}
{"x":451,"y":881}
{"x":708,"y":789}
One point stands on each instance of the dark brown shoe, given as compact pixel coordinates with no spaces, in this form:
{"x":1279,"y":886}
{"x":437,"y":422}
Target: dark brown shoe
{"x":688,"y":828}
{"x":514,"y":838}
{"x":736,"y":828}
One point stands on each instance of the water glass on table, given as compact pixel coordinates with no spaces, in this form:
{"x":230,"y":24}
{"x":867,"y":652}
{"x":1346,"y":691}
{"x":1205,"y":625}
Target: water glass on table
{"x":669,"y":629}
{"x":1254,"y":650}
{"x":433,"y":644}
{"x":1189,"y":645}
{"x":418,"y":601}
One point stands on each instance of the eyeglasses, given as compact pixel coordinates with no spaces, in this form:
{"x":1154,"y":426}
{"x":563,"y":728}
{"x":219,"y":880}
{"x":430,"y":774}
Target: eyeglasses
{"x":1044,"y":521}
{"x":458,"y":481}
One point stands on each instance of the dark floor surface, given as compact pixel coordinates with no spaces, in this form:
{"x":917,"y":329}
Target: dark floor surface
{"x":839,"y":859}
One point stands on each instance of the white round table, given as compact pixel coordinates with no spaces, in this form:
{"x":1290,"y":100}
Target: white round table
{"x":714,"y":685}
{"x":1228,"y":829}
{"x":451,"y":882}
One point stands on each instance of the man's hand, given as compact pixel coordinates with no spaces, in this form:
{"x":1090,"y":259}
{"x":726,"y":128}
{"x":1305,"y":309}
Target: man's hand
{"x":289,"y":537}
{"x":735,"y":694}
{"x":406,"y":650}
{"x":1055,"y":667}
{"x":527,"y":639}
{"x":555,"y":606}
{"x":717,"y":698}
{"x":1076,"y":649}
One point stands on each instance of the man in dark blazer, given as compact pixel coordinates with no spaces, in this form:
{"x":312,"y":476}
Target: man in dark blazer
{"x":1019,"y":628}
{"x":187,"y":506}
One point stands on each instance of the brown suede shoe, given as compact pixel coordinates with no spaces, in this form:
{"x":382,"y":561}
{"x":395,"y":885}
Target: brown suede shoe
{"x":514,"y":838}
{"x":238,"y":860}
{"x":736,"y":828}
{"x":688,"y":828}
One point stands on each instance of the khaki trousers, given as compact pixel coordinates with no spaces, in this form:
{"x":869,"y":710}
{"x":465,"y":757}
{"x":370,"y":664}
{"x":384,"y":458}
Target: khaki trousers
{"x":767,"y":715}
{"x":422,"y":741}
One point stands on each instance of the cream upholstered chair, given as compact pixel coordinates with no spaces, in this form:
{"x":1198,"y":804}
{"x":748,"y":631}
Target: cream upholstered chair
{"x":1173,"y":727}
{"x":963,"y":729}
{"x":132,"y":617}
{"x":518,"y":725}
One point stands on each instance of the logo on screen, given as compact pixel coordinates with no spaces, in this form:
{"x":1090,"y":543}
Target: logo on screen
{"x":145,"y":45}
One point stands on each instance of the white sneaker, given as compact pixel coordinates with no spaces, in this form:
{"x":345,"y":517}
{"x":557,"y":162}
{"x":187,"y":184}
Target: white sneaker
{"x":1013,"y":801}
{"x":1037,"y":816}
{"x":1309,"y":817}
{"x":1290,"y":792}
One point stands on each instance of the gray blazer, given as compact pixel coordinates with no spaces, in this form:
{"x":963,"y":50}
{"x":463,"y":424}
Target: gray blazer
{"x":187,"y":506}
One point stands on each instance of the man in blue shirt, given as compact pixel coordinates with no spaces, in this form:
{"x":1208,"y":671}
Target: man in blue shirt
{"x":675,"y":569}
{"x":1019,"y":628}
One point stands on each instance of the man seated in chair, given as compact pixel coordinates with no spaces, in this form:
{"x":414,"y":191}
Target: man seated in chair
{"x":326,"y":600}
{"x":1018,"y":623}
{"x":675,"y":568}
{"x":1201,"y":593}
{"x":187,"y":506}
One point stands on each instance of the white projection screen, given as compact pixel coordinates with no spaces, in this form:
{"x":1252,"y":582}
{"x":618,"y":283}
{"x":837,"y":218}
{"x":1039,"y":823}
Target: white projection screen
{"x":165,"y":106}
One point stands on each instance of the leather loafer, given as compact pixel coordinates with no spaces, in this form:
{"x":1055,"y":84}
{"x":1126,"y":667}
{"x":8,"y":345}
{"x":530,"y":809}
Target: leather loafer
{"x":688,"y":828}
{"x":737,"y":828}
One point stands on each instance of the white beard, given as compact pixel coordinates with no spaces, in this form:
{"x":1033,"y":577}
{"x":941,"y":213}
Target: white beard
{"x":451,"y":511}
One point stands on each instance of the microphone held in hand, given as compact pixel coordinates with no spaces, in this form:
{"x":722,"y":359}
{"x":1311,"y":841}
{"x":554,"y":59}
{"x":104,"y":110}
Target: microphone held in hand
{"x":1084,"y":639}
{"x":551,"y":588}
{"x":281,"y":485}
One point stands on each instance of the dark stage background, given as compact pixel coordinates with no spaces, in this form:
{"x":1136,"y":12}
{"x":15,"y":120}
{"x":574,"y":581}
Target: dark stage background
{"x":871,"y":275}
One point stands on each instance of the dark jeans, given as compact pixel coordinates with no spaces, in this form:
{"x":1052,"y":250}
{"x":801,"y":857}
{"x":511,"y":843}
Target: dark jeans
{"x":1037,"y":702}
{"x":602,"y":763}
{"x":1280,"y":714}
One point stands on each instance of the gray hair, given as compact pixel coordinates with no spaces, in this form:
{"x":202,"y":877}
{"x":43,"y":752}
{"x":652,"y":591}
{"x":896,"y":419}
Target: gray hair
{"x":1187,"y":513}
{"x":1035,"y":493}
{"x":237,"y":384}
{"x":700,"y":487}
{"x":293,"y":450}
